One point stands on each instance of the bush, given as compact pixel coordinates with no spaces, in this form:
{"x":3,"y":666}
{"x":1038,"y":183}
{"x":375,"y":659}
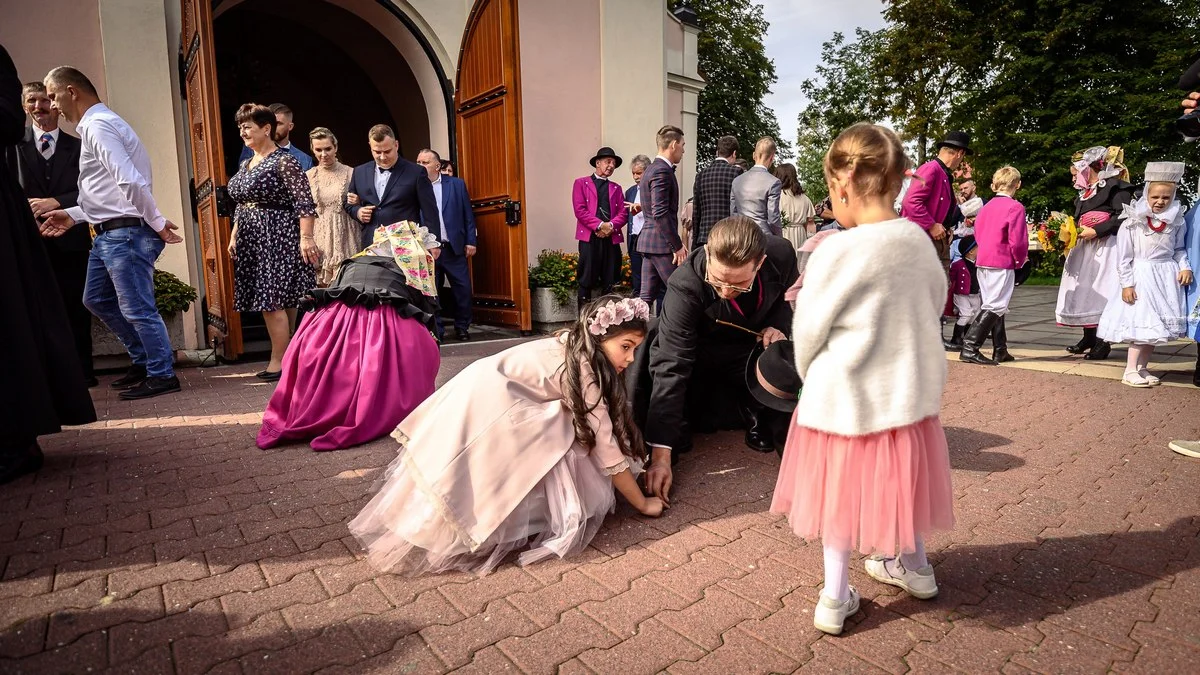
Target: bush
{"x":557,"y":271}
{"x":1047,"y":264}
{"x":171,"y":294}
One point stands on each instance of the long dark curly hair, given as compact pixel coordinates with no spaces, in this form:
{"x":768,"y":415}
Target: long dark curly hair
{"x":583,"y":347}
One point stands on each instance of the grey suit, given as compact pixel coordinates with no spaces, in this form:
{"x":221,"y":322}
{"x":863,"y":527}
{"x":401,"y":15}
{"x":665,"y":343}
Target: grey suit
{"x":755,"y":194}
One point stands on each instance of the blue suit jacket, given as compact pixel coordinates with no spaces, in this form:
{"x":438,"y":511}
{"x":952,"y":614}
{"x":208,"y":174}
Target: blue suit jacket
{"x":306,"y":162}
{"x":407,"y":196}
{"x":458,"y":220}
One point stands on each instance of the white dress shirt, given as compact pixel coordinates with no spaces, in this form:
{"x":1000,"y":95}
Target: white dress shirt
{"x":37,"y":140}
{"x":639,"y":218}
{"x":669,"y":162}
{"x":437,"y":195}
{"x":115,"y":179}
{"x":381,"y":180}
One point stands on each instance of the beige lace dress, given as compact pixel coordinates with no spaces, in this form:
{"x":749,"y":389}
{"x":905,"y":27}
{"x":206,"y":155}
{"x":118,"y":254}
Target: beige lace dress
{"x":336,"y":233}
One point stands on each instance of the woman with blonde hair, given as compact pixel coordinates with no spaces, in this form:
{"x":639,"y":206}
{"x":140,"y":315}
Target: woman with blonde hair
{"x":335,"y":232}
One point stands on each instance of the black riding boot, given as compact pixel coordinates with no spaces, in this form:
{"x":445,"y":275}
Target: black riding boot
{"x":1088,"y":341}
{"x":1000,"y":343}
{"x":1196,"y":372}
{"x":980,"y":329}
{"x":955,"y":343}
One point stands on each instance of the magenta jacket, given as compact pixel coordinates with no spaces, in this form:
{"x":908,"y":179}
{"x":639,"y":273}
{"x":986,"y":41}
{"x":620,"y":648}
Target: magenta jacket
{"x":929,"y":196}
{"x":583,"y":200}
{"x":1001,"y":233}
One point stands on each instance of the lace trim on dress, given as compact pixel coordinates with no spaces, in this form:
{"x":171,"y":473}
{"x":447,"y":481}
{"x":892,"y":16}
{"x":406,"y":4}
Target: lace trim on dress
{"x":617,"y":468}
{"x":426,"y":489}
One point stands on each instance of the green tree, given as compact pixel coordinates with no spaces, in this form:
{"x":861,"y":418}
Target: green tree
{"x":738,"y":76}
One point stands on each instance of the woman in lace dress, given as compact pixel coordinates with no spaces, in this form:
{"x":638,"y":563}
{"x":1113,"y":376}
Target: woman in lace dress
{"x":272,"y":242}
{"x":336,"y":233}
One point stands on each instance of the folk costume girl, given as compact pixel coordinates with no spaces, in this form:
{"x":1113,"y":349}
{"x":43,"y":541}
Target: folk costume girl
{"x":1154,"y":270}
{"x":530,"y":464}
{"x":866,"y":463}
{"x":1089,"y":277}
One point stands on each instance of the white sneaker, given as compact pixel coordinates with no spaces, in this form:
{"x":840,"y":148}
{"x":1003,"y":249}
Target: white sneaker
{"x":917,"y":583}
{"x":1154,"y":381}
{"x":830,"y":614}
{"x":1189,"y":448}
{"x":1134,"y":379}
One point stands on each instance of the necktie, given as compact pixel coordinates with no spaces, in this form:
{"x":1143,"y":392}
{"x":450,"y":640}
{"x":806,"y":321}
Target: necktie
{"x":44,"y":148}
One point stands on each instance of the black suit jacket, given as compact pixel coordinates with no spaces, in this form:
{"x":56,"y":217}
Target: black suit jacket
{"x":57,"y":178}
{"x":687,"y":327}
{"x":407,"y":196}
{"x":710,"y":193}
{"x":660,"y":205}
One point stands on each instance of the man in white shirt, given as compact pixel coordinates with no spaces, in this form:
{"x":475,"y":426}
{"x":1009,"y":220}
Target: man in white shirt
{"x":633,"y":204}
{"x":115,"y":197}
{"x":458,"y":238}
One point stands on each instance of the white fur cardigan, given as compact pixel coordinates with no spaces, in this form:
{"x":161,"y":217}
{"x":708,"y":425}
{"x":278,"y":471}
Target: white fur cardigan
{"x":867,"y":331}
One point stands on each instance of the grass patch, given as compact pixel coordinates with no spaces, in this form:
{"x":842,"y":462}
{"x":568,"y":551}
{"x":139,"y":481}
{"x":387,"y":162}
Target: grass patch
{"x":1042,"y":281}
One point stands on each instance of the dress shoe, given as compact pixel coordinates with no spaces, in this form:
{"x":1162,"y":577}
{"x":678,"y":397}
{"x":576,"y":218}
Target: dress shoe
{"x":1099,"y":352}
{"x":955,"y":343}
{"x":135,"y":376}
{"x":22,"y":463}
{"x":1085,"y":344}
{"x":462,"y":335}
{"x":1001,"y":355}
{"x":270,"y":375}
{"x":151,"y":387}
{"x":981,"y":327}
{"x":758,"y":440}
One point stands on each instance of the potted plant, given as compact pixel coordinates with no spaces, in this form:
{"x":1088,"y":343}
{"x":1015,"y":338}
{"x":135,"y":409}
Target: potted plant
{"x":553,"y":287}
{"x":172,"y":296}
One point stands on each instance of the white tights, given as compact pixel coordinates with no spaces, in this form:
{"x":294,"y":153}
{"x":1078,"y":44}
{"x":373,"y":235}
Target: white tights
{"x":1139,"y":358}
{"x":837,"y":569}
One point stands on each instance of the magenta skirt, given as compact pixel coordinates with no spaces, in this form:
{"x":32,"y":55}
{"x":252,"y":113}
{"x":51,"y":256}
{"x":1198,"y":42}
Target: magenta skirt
{"x":876,"y":493}
{"x":350,"y":375}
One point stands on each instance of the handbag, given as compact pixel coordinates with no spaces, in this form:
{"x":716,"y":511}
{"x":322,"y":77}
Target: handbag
{"x":225,"y":204}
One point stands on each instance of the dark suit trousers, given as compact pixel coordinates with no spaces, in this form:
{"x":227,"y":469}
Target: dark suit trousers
{"x":453,"y":266}
{"x":656,"y":269}
{"x":70,"y":272}
{"x":635,"y":266}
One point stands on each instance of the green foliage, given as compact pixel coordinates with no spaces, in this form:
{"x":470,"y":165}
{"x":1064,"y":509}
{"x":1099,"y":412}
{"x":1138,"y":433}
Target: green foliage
{"x":1047,"y":264}
{"x":555,"y":270}
{"x":171,"y":294}
{"x":738,"y":76}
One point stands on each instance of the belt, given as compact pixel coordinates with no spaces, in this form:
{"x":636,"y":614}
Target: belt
{"x":116,"y":224}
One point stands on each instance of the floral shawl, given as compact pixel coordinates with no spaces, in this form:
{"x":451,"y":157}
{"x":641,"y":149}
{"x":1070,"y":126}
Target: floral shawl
{"x":408,"y":244}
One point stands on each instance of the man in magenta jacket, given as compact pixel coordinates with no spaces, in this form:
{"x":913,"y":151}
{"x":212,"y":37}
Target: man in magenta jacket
{"x":599,"y":205}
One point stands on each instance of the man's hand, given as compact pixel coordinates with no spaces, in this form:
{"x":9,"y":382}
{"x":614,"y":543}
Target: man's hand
{"x":351,"y":198}
{"x":168,"y":233}
{"x":937,"y":231}
{"x":1185,"y":277}
{"x":55,"y":223}
{"x":634,"y":208}
{"x":43,"y":206}
{"x":771,"y":336}
{"x":1192,"y":100}
{"x":436,"y":252}
{"x":1129,"y":295}
{"x":658,"y":474}
{"x":679,"y":256}
{"x":365,"y":213}
{"x":605,"y":230}
{"x":469,"y":250}
{"x":1087,"y":233}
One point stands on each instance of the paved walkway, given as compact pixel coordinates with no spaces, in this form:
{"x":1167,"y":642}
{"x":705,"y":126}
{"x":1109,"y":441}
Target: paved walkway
{"x":159,"y":540}
{"x":1039,"y":344}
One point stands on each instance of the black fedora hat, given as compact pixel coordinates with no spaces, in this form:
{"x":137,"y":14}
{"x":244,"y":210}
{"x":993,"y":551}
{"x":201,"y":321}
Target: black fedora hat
{"x":957,"y":139}
{"x":606,"y":152}
{"x":771,"y":376}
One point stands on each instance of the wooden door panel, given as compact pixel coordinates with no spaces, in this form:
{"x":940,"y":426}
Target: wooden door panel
{"x":488,"y":119}
{"x":222,"y":323}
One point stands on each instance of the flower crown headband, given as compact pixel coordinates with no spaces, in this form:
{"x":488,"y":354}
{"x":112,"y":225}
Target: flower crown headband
{"x":617,"y":312}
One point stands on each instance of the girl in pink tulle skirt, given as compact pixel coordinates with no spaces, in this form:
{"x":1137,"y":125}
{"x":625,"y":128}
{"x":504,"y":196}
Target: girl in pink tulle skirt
{"x":866,"y":464}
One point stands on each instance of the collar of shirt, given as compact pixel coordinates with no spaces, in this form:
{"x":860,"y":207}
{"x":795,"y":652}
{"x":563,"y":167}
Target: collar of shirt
{"x":380,"y":169}
{"x":37,"y":134}
{"x":669,"y":162}
{"x":438,"y":181}
{"x":598,"y":178}
{"x":91,"y":113}
{"x":287,"y":146}
{"x":723,"y":159}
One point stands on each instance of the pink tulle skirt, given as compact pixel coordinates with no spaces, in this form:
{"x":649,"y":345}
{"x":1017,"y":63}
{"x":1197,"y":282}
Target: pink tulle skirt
{"x":405,"y":529}
{"x":350,"y":375}
{"x":876,"y":493}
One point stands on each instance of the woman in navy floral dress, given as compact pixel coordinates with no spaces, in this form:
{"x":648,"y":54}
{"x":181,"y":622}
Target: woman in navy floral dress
{"x":272,"y":246}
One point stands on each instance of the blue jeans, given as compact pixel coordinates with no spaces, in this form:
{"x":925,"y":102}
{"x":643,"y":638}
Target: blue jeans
{"x":120,"y":292}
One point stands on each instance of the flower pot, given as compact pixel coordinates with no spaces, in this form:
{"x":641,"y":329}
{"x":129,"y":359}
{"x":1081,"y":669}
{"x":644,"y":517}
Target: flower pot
{"x":548,"y":310}
{"x":104,"y":343}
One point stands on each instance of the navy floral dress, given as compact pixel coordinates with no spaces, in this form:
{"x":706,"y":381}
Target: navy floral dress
{"x":272,"y":197}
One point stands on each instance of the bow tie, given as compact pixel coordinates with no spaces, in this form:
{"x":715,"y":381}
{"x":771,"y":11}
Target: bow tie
{"x":380,"y":169}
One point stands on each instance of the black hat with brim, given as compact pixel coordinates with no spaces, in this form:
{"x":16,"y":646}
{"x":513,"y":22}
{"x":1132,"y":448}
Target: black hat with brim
{"x":606,"y":152}
{"x":957,"y":139}
{"x":774,"y":367}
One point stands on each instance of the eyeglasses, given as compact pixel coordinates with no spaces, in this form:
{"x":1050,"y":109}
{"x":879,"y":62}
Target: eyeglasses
{"x":721,"y":286}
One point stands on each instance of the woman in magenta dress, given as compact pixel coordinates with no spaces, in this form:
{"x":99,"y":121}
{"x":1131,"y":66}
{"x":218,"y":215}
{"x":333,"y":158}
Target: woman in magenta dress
{"x":365,"y":357}
{"x":519,"y":452}
{"x":866,"y":464}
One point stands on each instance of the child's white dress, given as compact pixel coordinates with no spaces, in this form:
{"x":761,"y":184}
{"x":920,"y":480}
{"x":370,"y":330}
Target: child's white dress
{"x":1151,"y":252}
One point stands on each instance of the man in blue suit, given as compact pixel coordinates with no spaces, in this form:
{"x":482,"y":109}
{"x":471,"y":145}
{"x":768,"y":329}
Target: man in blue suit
{"x":391,"y":189}
{"x":458,"y":240}
{"x":283,"y":132}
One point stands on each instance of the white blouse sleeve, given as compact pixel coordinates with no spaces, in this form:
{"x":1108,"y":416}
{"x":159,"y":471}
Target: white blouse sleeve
{"x":1125,"y":254}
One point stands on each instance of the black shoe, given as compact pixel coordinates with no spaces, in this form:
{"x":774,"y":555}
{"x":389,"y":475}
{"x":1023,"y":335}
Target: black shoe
{"x":92,"y":382}
{"x":1001,"y":355}
{"x":979,"y":330}
{"x":1099,"y":352}
{"x":1085,"y":344}
{"x":1196,"y":372}
{"x":758,"y":433}
{"x":270,"y":376}
{"x":151,"y":387}
{"x":462,"y":335}
{"x":955,"y":343}
{"x":131,"y":379}
{"x":27,"y":462}
{"x":1000,"y":343}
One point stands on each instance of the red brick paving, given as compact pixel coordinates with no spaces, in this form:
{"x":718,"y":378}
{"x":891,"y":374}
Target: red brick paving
{"x":161,"y":540}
